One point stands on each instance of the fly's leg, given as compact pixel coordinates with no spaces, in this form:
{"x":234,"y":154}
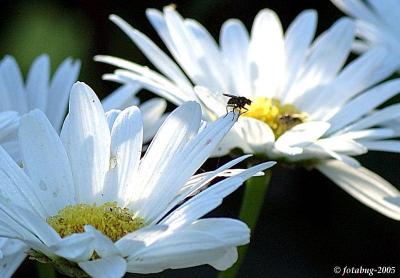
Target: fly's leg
{"x":241,"y":113}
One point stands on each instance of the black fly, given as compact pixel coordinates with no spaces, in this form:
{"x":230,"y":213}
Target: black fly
{"x":237,"y":103}
{"x":291,"y":120}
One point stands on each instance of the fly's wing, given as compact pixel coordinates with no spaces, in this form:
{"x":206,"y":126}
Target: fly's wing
{"x":228,"y":95}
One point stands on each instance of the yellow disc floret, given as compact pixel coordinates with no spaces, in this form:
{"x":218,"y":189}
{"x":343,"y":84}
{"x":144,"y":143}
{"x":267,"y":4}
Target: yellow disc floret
{"x":278,"y":117}
{"x":111,"y":220}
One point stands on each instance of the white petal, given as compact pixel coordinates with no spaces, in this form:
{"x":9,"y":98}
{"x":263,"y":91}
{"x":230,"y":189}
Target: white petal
{"x":355,"y":8}
{"x":16,"y":186}
{"x":111,"y":115}
{"x":102,"y":244}
{"x":330,"y":50}
{"x":342,"y":144}
{"x":76,"y":247}
{"x":383,"y":146}
{"x":152,"y":111}
{"x":388,"y":12}
{"x":139,"y":239}
{"x":233,"y":232}
{"x":363,"y":104}
{"x":364,"y":72}
{"x":149,"y":80}
{"x":5,"y":96}
{"x":348,"y":160}
{"x":377,"y":117}
{"x":158,"y":22}
{"x":234,"y":40}
{"x":11,"y":79}
{"x":37,"y":83}
{"x":180,"y":127}
{"x":86,"y":138}
{"x":212,"y":100}
{"x":204,"y":178}
{"x":339,"y":148}
{"x":233,"y":139}
{"x":257,"y":134}
{"x":27,"y":223}
{"x":266,"y":53}
{"x":121,"y":98}
{"x":60,"y":87}
{"x":193,"y":187}
{"x":200,"y":205}
{"x":301,"y":135}
{"x":357,"y":76}
{"x":325,"y":58}
{"x":250,"y":172}
{"x":9,"y":121}
{"x":126,"y":149}
{"x":369,"y":134}
{"x":181,"y":249}
{"x":13,"y":228}
{"x":13,"y":255}
{"x":192,"y":55}
{"x":210,"y":61}
{"x":135,"y":70}
{"x":154,"y":54}
{"x":365,"y":186}
{"x":227,"y":260}
{"x":297,"y":41}
{"x":46,"y":162}
{"x":12,"y":148}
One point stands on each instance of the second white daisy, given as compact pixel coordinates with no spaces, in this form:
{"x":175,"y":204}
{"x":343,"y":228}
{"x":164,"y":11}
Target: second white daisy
{"x":306,"y":107}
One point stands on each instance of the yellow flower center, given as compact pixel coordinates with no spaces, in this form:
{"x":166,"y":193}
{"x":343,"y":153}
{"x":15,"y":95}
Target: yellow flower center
{"x":278,"y":117}
{"x":111,"y":220}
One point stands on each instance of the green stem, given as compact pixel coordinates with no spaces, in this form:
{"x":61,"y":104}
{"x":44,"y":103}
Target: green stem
{"x":252,"y":203}
{"x":45,"y":271}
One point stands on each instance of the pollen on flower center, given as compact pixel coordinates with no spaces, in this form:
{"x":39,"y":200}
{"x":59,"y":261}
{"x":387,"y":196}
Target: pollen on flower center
{"x":278,"y":117}
{"x":111,"y":220}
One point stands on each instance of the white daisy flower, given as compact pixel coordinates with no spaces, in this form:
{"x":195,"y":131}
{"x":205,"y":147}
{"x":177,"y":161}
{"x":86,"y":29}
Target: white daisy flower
{"x":377,"y":24}
{"x":50,"y":95}
{"x":307,"y":107}
{"x":88,"y":203}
